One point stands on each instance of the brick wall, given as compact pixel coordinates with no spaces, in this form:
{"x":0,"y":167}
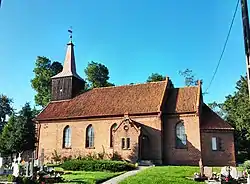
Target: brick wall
{"x":223,"y":157}
{"x":127,"y":130}
{"x":192,"y":153}
{"x":51,"y":136}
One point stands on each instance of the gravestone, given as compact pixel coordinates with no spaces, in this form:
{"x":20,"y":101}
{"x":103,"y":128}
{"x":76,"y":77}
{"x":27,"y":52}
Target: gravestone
{"x":232,"y":170}
{"x":16,"y":169}
{"x":1,"y":166}
{"x":36,"y":163}
{"x":224,"y":171}
{"x":240,"y":174}
{"x":31,"y":164}
{"x":27,"y":169}
{"x":201,"y":168}
{"x":248,"y":179}
{"x":41,"y":160}
{"x":208,"y":171}
{"x":19,"y":158}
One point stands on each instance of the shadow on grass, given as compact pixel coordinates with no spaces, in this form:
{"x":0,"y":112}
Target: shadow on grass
{"x":97,"y":181}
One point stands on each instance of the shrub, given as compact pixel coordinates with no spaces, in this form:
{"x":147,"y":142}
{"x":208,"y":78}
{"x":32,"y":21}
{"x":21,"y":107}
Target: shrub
{"x":90,"y":156}
{"x":66,"y":158}
{"x":27,"y":181}
{"x":102,"y":154}
{"x":11,"y":178}
{"x":97,"y":165}
{"x":247,"y":164}
{"x":241,"y":157}
{"x":115,"y":156}
{"x":56,"y":157}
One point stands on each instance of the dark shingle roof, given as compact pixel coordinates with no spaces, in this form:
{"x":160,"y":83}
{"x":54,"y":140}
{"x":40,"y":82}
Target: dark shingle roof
{"x":211,"y":121}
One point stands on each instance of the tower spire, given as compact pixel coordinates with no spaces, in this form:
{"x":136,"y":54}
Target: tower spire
{"x":67,"y":84}
{"x":69,"y":66}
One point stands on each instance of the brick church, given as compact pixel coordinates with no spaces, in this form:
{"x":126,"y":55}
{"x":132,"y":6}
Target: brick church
{"x":151,"y":121}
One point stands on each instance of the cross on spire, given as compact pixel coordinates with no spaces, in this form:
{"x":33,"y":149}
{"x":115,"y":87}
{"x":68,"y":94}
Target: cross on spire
{"x":70,"y":33}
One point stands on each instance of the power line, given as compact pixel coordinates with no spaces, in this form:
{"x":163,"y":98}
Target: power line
{"x":224,"y":47}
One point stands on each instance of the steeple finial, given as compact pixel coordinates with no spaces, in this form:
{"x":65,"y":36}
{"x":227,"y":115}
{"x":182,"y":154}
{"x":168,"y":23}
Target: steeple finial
{"x":70,"y":33}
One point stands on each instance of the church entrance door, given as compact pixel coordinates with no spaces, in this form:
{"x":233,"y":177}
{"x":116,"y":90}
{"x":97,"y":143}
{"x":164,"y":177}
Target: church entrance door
{"x":144,"y":147}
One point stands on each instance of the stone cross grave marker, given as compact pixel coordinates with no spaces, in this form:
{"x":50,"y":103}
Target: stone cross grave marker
{"x":31,"y":164}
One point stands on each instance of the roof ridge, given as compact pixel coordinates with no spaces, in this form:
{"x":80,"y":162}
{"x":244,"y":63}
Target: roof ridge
{"x":129,"y":85}
{"x":186,"y":87}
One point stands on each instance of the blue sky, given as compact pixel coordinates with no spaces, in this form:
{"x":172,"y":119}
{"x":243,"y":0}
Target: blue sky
{"x":133,"y":38}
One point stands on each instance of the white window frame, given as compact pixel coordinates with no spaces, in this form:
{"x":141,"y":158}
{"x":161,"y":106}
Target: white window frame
{"x":214,"y":144}
{"x":67,"y":137}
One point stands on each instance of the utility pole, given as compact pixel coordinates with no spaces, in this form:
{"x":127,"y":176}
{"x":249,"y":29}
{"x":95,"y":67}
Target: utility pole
{"x":246,"y":31}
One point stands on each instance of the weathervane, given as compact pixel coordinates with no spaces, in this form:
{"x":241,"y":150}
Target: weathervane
{"x":70,"y":33}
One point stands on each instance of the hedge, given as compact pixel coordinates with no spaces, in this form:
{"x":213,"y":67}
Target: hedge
{"x":97,"y":165}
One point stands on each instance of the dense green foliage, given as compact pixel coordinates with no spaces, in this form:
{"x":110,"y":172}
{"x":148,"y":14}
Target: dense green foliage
{"x":98,"y":75}
{"x":41,"y":83}
{"x":154,"y":77}
{"x":5,"y":109}
{"x":162,"y":175}
{"x":236,"y":111}
{"x":19,"y":133}
{"x":97,"y":165}
{"x":247,"y":165}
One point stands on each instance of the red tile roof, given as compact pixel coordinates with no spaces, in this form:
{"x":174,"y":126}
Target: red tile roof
{"x":211,"y":121}
{"x":182,"y":100}
{"x":109,"y":101}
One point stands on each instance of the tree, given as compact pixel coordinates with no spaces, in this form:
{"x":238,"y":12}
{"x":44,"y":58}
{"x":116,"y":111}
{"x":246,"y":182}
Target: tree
{"x":41,"y":83}
{"x":237,"y":113}
{"x":189,"y":77}
{"x":5,"y":109}
{"x":8,"y":137}
{"x":19,"y":133}
{"x":98,"y":75}
{"x":154,"y":77}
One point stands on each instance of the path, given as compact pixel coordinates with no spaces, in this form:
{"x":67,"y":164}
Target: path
{"x":121,"y":177}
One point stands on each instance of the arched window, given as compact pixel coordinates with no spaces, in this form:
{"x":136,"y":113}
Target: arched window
{"x":67,"y":137}
{"x":113,"y":127}
{"x":181,"y":138}
{"x":90,"y":137}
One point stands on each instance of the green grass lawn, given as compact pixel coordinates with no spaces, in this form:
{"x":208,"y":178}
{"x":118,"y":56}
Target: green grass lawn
{"x":88,"y":177}
{"x":163,"y":174}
